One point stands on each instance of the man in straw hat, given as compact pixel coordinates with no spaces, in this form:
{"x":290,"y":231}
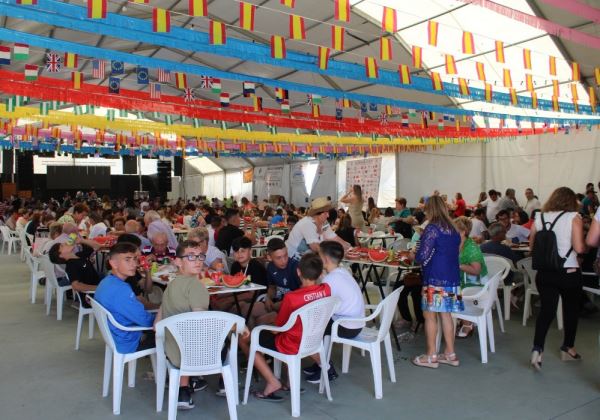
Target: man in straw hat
{"x":308,"y":233}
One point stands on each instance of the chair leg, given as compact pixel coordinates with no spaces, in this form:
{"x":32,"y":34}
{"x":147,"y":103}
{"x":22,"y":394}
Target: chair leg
{"x":500,"y":318}
{"x":118,"y":368}
{"x":294,"y":373}
{"x":60,"y":296}
{"x":325,"y":376}
{"x":389,"y":355}
{"x":230,"y":392}
{"x":506,"y":298}
{"x":33,"y":287}
{"x":161,"y":377}
{"x":526,"y":307}
{"x":482,"y":330}
{"x":249,"y":374}
{"x":132,"y":365}
{"x":346,"y":353}
{"x":91,"y":325}
{"x":79,"y":326}
{"x":48,"y":298}
{"x":375,"y":354}
{"x":107,"y":366}
{"x":173,"y":393}
{"x":277,"y":368}
{"x":490,"y":332}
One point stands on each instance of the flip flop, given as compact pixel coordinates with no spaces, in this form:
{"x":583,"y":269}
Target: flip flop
{"x":269,"y":397}
{"x":286,"y":388}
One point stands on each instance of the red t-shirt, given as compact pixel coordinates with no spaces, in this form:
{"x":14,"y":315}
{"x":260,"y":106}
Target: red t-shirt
{"x":461,"y":206}
{"x":289,"y":342}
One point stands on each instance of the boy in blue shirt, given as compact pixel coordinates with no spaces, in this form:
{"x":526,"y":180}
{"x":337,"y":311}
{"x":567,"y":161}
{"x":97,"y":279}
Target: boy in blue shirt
{"x":282,"y":274}
{"x":116,"y":295}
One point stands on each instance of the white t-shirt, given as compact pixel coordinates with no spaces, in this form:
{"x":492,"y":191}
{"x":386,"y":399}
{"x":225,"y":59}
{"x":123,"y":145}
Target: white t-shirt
{"x":99,"y":229}
{"x":532,"y":205}
{"x":305,"y":233}
{"x":477,"y":229}
{"x":563,"y":230}
{"x":211,"y":236}
{"x":491,"y":208}
{"x":346,"y":289}
{"x":518,"y":231}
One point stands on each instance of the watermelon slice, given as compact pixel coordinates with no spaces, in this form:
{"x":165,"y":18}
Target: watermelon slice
{"x":235,"y":280}
{"x":377,"y":255}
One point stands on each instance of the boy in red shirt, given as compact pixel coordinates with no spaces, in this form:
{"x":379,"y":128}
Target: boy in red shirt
{"x":310,"y":268}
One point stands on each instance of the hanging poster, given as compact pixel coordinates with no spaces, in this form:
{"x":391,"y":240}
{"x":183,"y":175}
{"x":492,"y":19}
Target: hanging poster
{"x":273,"y":177}
{"x":248,"y":174}
{"x":366,"y":173}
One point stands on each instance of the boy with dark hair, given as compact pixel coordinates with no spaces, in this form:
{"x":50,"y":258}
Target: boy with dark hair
{"x":231,"y":231}
{"x":278,"y":218}
{"x":309,"y":270}
{"x":282,"y":274}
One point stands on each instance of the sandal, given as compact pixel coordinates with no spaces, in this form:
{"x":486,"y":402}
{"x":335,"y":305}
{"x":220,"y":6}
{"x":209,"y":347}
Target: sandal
{"x":427,"y":361}
{"x":465,"y":331}
{"x":448,"y":359}
{"x":286,"y":388}
{"x":268,"y":397}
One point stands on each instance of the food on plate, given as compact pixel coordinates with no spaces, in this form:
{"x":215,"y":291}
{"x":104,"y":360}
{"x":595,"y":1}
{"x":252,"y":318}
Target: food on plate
{"x":207,"y":281}
{"x":164,"y":277}
{"x":353,"y":253}
{"x":235,"y":280}
{"x":377,"y":255}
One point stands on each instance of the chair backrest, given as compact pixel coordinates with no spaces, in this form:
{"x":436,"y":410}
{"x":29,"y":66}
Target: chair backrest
{"x":388,"y":309}
{"x":497,"y":264}
{"x":314,"y":317}
{"x":526,"y":267}
{"x":489,"y":292}
{"x":48,"y":269}
{"x":103,"y":316}
{"x":200,"y":337}
{"x":400,"y":244}
{"x":31,"y":261}
{"x":30,"y":238}
{"x":22,"y":236}
{"x":5,"y":232}
{"x":268,"y":238}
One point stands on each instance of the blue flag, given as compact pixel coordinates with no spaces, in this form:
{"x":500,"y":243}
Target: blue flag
{"x":338,"y":114}
{"x":116,"y":67}
{"x":114,"y":85}
{"x":142,"y":75}
{"x":373,"y":107}
{"x":363,"y":107}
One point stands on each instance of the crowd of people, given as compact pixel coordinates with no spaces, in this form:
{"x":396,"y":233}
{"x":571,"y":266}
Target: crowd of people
{"x":448,"y":241}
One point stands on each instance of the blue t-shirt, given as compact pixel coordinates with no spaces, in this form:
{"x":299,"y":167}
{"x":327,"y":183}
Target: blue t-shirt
{"x":118,"y":299}
{"x":276,"y":219}
{"x":285,"y":280}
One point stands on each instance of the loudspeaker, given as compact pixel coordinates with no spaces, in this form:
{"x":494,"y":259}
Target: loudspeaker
{"x":129,"y":165}
{"x":163,"y":168}
{"x":24,"y":170}
{"x":7,"y":165}
{"x":178,"y":166}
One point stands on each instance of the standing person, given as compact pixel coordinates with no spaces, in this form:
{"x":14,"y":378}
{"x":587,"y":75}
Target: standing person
{"x":438,"y":254}
{"x":354,"y":200}
{"x":459,"y":205}
{"x":492,"y":205}
{"x":560,"y":215}
{"x":532,"y":202}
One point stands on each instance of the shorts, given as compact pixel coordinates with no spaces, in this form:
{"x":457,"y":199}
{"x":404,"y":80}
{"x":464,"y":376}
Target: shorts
{"x":266,"y":339}
{"x":342,"y":331}
{"x":147,"y":341}
{"x":63,"y":281}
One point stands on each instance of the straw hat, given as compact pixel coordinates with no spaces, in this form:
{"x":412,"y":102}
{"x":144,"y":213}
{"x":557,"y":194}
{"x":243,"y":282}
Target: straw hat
{"x":319,"y":205}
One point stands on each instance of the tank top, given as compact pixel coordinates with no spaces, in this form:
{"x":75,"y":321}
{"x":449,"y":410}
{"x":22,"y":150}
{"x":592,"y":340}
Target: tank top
{"x":355,"y":212}
{"x":563,"y":230}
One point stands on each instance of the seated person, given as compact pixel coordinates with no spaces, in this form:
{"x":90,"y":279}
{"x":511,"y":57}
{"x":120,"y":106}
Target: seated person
{"x":98,"y":227}
{"x":292,"y":219}
{"x":478,"y":228}
{"x":346,"y":231}
{"x":278,"y":218}
{"x":160,"y":249}
{"x":382,"y":222}
{"x":495,"y":246}
{"x":215,"y":259}
{"x":514,"y":233}
{"x":227,"y":234}
{"x":134,"y":227}
{"x":309,"y":269}
{"x":115,"y":294}
{"x":118,"y":226}
{"x":141,"y":281}
{"x":282,"y":274}
{"x":216,"y":222}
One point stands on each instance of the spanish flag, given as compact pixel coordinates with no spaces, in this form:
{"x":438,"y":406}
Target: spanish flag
{"x":27,"y":2}
{"x":77,"y":79}
{"x":597,"y":75}
{"x":277,"y":47}
{"x":161,"y":20}
{"x":507,"y":79}
{"x":488,"y":92}
{"x":592,"y":98}
{"x":217,"y":33}
{"x":575,"y":73}
{"x":555,"y":105}
{"x":316,"y":111}
{"x":247,"y":11}
{"x":337,"y":38}
{"x":297,"y":30}
{"x":463,"y":87}
{"x":527,"y":59}
{"x":323,"y":58}
{"x":385,"y":48}
{"x":198,"y":7}
{"x":289,"y":3}
{"x":388,"y":21}
{"x":404,"y":73}
{"x":436,"y":81}
{"x":514,"y":99}
{"x":432,"y":33}
{"x":181,"y":80}
{"x":499,"y":52}
{"x":534,"y":102}
{"x":371,"y":68}
{"x":468,"y":43}
{"x":71,"y":60}
{"x":346,"y":103}
{"x":96,"y":9}
{"x":417,"y":57}
{"x":480,"y":71}
{"x":342,"y":10}
{"x":450,"y":64}
{"x":555,"y":88}
{"x":529,"y":82}
{"x":574,"y":94}
{"x":552,"y":65}
{"x":140,"y":1}
{"x":257,"y":103}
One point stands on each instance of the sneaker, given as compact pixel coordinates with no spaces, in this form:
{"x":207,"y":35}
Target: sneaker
{"x":312,"y":369}
{"x":315,"y":378}
{"x":185,"y":402}
{"x":197,"y":383}
{"x":221,"y":392}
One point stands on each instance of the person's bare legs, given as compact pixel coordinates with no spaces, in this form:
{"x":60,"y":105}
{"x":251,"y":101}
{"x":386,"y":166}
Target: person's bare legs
{"x":273,"y":384}
{"x":431,"y":328}
{"x":448,"y":329}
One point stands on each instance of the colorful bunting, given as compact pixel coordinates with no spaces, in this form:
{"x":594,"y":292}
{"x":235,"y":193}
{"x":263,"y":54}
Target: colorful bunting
{"x":53,"y":61}
{"x":161,"y":20}
{"x":27,"y":2}
{"x":217,"y":33}
{"x":527,"y":59}
{"x":342,"y":10}
{"x":507,"y":79}
{"x":417,"y":57}
{"x":575,"y":73}
{"x":188,"y":95}
{"x":278,"y":47}
{"x":114,"y":85}
{"x":31,"y":72}
{"x":323,"y":58}
{"x":289,"y":3}
{"x":337,"y":38}
{"x":555,"y":88}
{"x":247,"y":12}
{"x":285,"y":106}
{"x":389,"y":21}
{"x":248,"y":89}
{"x":514,"y":99}
{"x":500,"y":52}
{"x":552,"y":66}
{"x":155,"y":91}
{"x":116,"y":67}
{"x":371,"y":68}
{"x":529,"y":82}
{"x":480,"y":68}
{"x":20,"y":51}
{"x":450,"y":64}
{"x":257,"y":103}
{"x":297,"y":29}
{"x":142,"y":75}
{"x":164,"y":76}
{"x":70,"y":60}
{"x":77,"y":79}
{"x":463,"y":87}
{"x":385,"y":48}
{"x":436,"y":81}
{"x":468,"y":43}
{"x":181,"y":80}
{"x":281,"y":94}
{"x":96,"y":9}
{"x":224,"y":99}
{"x":316,"y":111}
{"x":432,"y":33}
{"x":198,"y":7}
{"x":404,"y":72}
{"x":98,"y":69}
{"x":215,"y":86}
{"x":4,"y":55}
{"x":488,"y":92}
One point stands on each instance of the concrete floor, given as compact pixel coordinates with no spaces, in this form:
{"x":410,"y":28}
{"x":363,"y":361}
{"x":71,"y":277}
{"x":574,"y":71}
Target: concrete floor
{"x":43,"y":377}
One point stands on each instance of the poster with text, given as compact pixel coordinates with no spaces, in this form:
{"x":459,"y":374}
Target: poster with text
{"x":366,"y":173}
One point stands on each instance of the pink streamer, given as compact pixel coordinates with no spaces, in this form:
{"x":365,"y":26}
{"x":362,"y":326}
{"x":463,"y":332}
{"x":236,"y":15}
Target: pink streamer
{"x":577,"y":8}
{"x":543,"y":24}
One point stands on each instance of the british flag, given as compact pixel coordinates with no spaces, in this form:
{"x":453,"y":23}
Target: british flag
{"x":155,"y":90}
{"x":164,"y":76}
{"x":383,"y":118}
{"x":206,"y":82}
{"x":98,"y":69}
{"x":188,"y":95}
{"x":53,"y":62}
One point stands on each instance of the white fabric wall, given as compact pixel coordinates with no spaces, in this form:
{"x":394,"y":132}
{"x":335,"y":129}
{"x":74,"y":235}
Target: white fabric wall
{"x":193,"y":185}
{"x":235,"y":186}
{"x":213,"y":185}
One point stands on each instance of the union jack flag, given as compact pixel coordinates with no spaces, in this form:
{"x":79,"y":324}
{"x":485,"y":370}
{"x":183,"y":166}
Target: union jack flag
{"x":188,"y":95}
{"x":383,"y":118}
{"x":155,"y":90}
{"x":206,"y":82}
{"x":53,"y":62}
{"x":98,"y":69}
{"x":164,"y":76}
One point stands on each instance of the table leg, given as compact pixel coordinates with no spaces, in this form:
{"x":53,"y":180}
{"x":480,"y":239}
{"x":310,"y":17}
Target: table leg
{"x":251,"y":306}
{"x":363,"y":284}
{"x":237,"y":303}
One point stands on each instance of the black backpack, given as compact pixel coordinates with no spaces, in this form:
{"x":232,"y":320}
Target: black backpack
{"x":545,"y":256}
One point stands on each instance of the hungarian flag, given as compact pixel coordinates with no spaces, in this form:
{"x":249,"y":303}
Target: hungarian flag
{"x":500,"y":52}
{"x":70,"y":60}
{"x":247,"y":11}
{"x":417,"y":57}
{"x":278,"y":47}
{"x":436,"y":81}
{"x":450,"y":64}
{"x":388,"y":20}
{"x":161,"y":20}
{"x":323,"y":58}
{"x":224,"y":99}
{"x":21,"y":51}
{"x":285,"y":106}
{"x":96,"y":9}
{"x":77,"y":79}
{"x":215,"y":86}
{"x":297,"y":29}
{"x":404,"y":73}
{"x":385,"y":48}
{"x":31,"y":72}
{"x":575,"y":72}
{"x":181,"y":80}
{"x":468,"y":43}
{"x":342,"y":10}
{"x":527,"y":59}
{"x":463,"y":87}
{"x":198,"y":7}
{"x":337,"y":38}
{"x":480,"y":68}
{"x":432,"y":33}
{"x":507,"y":79}
{"x":371,"y":70}
{"x":217,"y":33}
{"x":552,"y":65}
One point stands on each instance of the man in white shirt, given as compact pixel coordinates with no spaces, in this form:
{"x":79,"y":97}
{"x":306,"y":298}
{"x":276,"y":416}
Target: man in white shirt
{"x":311,"y":230}
{"x":512,"y":231}
{"x":478,"y":229}
{"x":532,"y":202}
{"x":492,"y":205}
{"x":98,"y":227}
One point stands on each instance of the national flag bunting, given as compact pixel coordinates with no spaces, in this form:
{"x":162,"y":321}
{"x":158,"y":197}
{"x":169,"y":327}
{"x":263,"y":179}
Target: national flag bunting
{"x":529,"y":82}
{"x":289,"y":3}
{"x":514,"y":99}
{"x":27,"y":2}
{"x":224,"y":99}
{"x":297,"y":29}
{"x":468,"y":43}
{"x":500,"y":52}
{"x":285,"y":106}
{"x":480,"y":68}
{"x":342,"y":10}
{"x":205,"y":82}
{"x":77,"y":79}
{"x":314,"y":99}
{"x":181,"y":80}
{"x":323,"y":58}
{"x":53,"y":62}
{"x":31,"y":72}
{"x":217,"y":33}
{"x":70,"y":60}
{"x":463,"y":87}
{"x":389,"y":20}
{"x":116,"y":67}
{"x":257,"y":103}
{"x":96,"y":9}
{"x":574,"y":93}
{"x":450,"y":64}
{"x":215,"y":86}
{"x":337,"y":38}
{"x":188,"y":95}
{"x":432,"y":33}
{"x":281,"y":94}
{"x":555,"y":104}
{"x":142,"y":75}
{"x":404,"y":120}
{"x":339,"y":113}
{"x":316,"y":111}
{"x":98,"y":68}
{"x":417,"y":57}
{"x":247,"y":12}
{"x":436,"y":81}
{"x":164,"y":76}
{"x":198,"y":7}
{"x":575,"y":73}
{"x":114,"y":85}
{"x":20,"y":51}
{"x":139,"y":1}
{"x":507,"y":79}
{"x":555,"y":88}
{"x":385,"y":48}
{"x":552,"y":65}
{"x":278,"y":47}
{"x":488,"y":92}
{"x":371,"y":68}
{"x":161,"y":20}
{"x":527,"y":59}
{"x":404,"y":73}
{"x":155,"y":90}
{"x":248,"y":89}
{"x":534,"y":101}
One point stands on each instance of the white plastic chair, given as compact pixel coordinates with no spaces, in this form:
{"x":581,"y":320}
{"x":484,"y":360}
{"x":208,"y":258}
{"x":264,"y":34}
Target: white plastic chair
{"x":478,"y":309}
{"x":525,"y":265}
{"x":200,"y":337}
{"x":83,"y":311}
{"x":10,"y":238}
{"x":370,"y":340}
{"x":36,"y":274}
{"x":496,"y":264}
{"x":401,"y":244}
{"x":118,"y":360}
{"x":22,"y":241}
{"x":314,"y":317}
{"x":52,"y":286}
{"x":506,"y":288}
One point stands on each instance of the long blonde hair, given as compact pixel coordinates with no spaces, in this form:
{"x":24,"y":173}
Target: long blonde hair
{"x":437,"y":212}
{"x":357,"y":190}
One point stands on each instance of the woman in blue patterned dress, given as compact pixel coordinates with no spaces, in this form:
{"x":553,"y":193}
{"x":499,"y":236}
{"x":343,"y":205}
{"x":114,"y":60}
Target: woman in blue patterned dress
{"x":438,"y":255}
